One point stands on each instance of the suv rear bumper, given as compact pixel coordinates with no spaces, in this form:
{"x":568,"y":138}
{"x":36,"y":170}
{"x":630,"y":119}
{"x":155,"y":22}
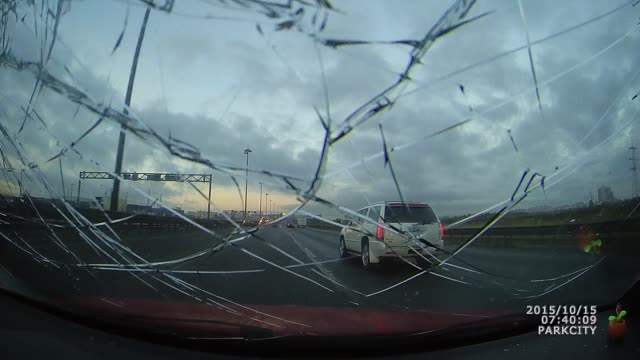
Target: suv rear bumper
{"x":378,"y":249}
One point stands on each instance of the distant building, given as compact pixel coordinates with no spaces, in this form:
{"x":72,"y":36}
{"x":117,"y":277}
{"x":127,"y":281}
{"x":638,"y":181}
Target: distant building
{"x":234,"y":214}
{"x":253,"y":216}
{"x":538,"y":209}
{"x":161,"y":211}
{"x":605,"y":194}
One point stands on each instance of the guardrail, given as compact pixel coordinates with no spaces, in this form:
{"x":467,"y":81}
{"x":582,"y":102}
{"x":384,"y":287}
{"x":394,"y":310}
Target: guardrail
{"x":571,"y":229}
{"x":623,"y":235}
{"x":27,"y":217}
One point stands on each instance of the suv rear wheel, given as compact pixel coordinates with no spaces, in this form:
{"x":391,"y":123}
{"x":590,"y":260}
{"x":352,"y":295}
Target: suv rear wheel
{"x":343,"y":248}
{"x":364,"y":253}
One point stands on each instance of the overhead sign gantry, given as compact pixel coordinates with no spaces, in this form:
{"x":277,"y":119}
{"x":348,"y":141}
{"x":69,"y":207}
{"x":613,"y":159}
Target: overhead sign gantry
{"x":151,"y":176}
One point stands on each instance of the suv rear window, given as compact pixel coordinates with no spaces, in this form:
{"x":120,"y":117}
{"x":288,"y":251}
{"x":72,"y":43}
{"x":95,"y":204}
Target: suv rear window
{"x":374,"y":213}
{"x":412,"y":214}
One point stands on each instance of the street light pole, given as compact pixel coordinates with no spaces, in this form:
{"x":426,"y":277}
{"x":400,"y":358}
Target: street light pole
{"x":20,"y":183}
{"x":266,"y":204}
{"x":78,"y":197}
{"x":260,"y":217}
{"x":246,"y":182}
{"x":127,"y":101}
{"x":209,"y":198}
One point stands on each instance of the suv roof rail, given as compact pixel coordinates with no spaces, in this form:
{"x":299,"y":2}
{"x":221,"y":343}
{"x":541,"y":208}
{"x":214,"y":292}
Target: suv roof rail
{"x":410,"y":203}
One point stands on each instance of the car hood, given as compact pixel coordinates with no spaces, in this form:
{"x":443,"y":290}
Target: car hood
{"x":278,"y":320}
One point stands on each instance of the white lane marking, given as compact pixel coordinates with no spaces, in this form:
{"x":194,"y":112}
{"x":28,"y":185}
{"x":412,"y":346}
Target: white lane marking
{"x":462,"y":268}
{"x":321,"y":262}
{"x":110,"y":302}
{"x":223,"y":272}
{"x":325,"y":273}
{"x":426,"y":332}
{"x":569,"y":274}
{"x":397,"y":284}
{"x":448,"y":278}
{"x":469,"y":315}
{"x":5,"y":269}
{"x":413,"y":277}
{"x":206,"y":272}
{"x":565,"y":283}
{"x":339,"y":284}
{"x":284,"y":269}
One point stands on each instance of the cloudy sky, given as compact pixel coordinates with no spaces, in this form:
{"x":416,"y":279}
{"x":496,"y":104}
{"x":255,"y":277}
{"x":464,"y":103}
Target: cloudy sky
{"x":221,"y":78}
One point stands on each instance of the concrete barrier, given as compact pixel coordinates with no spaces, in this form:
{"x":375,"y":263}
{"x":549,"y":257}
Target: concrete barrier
{"x":325,"y":226}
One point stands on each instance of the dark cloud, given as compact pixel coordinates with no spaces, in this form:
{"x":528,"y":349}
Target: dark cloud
{"x":223,"y":86}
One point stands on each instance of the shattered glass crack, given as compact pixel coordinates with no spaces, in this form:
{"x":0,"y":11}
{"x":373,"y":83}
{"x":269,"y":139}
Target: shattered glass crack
{"x":345,"y":117}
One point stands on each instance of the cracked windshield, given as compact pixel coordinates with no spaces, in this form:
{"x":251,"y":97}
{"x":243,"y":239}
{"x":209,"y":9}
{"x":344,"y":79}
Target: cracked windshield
{"x":247,"y":168}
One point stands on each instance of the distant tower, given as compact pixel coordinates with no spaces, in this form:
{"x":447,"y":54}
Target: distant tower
{"x":634,"y":169}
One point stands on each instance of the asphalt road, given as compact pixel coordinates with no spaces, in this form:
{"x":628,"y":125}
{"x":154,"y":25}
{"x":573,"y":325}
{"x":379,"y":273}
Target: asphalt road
{"x":302,"y":267}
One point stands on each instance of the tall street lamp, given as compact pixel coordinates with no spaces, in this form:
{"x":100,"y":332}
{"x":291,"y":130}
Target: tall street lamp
{"x":266,"y":203}
{"x":132,"y":75}
{"x":246,"y":182}
{"x":260,"y":216}
{"x":21,"y":182}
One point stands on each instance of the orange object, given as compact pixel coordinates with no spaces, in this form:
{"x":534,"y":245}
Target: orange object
{"x":584,"y":236}
{"x":616,"y":329}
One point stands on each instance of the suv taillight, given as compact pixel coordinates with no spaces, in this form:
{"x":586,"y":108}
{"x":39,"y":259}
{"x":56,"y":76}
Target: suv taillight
{"x":441,"y":230}
{"x":380,"y":233}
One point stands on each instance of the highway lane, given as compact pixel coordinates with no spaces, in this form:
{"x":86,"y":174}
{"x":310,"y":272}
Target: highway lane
{"x":273,"y":268}
{"x":501,"y":272}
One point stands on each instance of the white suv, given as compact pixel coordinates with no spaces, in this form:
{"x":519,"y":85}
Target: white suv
{"x":402,"y":223}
